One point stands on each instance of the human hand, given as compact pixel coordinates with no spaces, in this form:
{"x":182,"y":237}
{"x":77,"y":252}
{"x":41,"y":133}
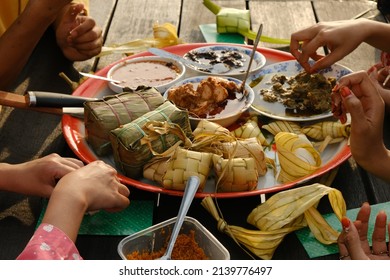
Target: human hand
{"x":305,"y":43}
{"x":360,"y":96}
{"x":77,"y":35}
{"x":94,"y":187}
{"x":353,"y":243}
{"x":39,"y":177}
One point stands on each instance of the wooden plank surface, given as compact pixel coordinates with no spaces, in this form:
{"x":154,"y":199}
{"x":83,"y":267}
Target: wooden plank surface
{"x":364,"y":56}
{"x":281,"y":18}
{"x":134,"y":19}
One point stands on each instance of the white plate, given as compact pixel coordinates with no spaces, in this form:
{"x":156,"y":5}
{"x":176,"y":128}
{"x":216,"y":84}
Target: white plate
{"x":289,"y":69}
{"x":259,"y":60}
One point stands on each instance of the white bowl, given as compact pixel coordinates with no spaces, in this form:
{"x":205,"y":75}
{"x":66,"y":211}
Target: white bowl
{"x":221,"y":52}
{"x":234,"y":108}
{"x":152,"y":71}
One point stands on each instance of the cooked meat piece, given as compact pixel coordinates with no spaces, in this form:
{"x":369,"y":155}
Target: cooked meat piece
{"x":210,"y":94}
{"x":306,"y":92}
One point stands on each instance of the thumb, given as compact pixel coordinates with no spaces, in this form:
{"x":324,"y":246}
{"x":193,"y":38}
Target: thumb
{"x":71,"y":14}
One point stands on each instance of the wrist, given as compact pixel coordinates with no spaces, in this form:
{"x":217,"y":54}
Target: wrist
{"x":9,"y":177}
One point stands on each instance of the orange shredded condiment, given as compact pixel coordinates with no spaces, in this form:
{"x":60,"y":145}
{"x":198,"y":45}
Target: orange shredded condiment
{"x":186,"y":248}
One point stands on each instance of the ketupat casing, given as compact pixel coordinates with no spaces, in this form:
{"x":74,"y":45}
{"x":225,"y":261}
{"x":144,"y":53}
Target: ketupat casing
{"x":131,"y":155}
{"x":112,"y":111}
{"x":297,"y":156}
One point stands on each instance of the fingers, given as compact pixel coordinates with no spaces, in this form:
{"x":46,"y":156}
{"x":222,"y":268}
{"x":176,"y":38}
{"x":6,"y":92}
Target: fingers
{"x":362,"y":223}
{"x":379,"y":247}
{"x":349,"y":242}
{"x":304,"y":45}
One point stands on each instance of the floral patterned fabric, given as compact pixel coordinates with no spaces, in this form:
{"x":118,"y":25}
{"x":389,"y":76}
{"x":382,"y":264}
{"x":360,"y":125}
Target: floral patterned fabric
{"x":50,"y":243}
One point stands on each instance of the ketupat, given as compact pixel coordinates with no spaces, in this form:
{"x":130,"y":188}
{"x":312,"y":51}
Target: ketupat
{"x":282,"y":214}
{"x":319,"y":131}
{"x":297,"y":156}
{"x":231,"y":20}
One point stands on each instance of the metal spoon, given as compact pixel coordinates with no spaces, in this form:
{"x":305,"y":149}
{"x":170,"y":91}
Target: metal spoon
{"x":100,"y":77}
{"x":242,"y":87}
{"x":218,"y":68}
{"x":188,"y":196}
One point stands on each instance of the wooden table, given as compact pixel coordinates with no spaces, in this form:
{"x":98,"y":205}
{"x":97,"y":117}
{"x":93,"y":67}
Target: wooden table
{"x":28,"y":135}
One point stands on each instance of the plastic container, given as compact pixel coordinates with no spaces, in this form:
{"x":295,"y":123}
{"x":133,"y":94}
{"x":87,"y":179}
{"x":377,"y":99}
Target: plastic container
{"x":155,"y":237}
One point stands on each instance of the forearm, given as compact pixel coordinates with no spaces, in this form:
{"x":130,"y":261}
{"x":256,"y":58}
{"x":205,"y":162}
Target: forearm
{"x":65,"y":211}
{"x":377,"y":34}
{"x":20,"y":39}
{"x":9,"y":175}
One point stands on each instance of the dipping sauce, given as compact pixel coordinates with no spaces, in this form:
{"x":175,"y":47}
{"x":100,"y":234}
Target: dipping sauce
{"x":146,"y":73}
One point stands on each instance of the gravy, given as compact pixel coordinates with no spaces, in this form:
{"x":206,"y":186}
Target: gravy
{"x":146,"y":73}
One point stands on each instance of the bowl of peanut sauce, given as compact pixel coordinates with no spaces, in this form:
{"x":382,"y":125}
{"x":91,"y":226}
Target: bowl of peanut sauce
{"x":151,"y":71}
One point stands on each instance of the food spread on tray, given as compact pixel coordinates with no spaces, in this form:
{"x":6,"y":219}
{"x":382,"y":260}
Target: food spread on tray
{"x":161,"y":146}
{"x":303,"y":94}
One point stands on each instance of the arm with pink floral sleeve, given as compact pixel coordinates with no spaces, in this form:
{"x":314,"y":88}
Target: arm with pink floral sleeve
{"x":89,"y":188}
{"x":50,"y":243}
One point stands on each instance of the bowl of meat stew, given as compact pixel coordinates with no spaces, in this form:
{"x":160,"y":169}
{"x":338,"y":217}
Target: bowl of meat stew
{"x":216,"y":99}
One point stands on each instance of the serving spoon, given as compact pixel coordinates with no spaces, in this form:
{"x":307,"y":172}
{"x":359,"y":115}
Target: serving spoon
{"x":188,"y":196}
{"x":100,"y":78}
{"x":257,"y":40}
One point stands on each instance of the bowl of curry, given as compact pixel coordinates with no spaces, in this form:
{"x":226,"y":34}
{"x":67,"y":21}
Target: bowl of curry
{"x":216,"y":99}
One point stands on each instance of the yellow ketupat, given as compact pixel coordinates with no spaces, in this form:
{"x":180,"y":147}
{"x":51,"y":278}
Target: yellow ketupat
{"x":282,"y":214}
{"x":235,"y":174}
{"x":251,"y":129}
{"x":282,"y":126}
{"x":297,"y":156}
{"x":319,"y":131}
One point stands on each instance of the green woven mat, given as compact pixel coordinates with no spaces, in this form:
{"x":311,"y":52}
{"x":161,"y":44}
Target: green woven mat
{"x":136,"y":217}
{"x":316,"y":249}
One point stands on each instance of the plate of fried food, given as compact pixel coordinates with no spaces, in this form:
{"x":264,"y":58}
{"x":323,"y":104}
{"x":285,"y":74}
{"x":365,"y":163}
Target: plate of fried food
{"x":284,"y":91}
{"x":155,"y":148}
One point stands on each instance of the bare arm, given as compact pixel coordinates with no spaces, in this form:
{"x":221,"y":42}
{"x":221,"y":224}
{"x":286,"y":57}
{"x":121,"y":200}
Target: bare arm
{"x":340,"y":37}
{"x":89,"y":188}
{"x":18,"y":42}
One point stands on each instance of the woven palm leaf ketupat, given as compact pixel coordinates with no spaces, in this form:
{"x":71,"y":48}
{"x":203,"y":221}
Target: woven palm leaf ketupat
{"x":319,"y":131}
{"x":112,"y":111}
{"x":185,"y":163}
{"x":251,"y":129}
{"x":282,"y":214}
{"x":235,"y":174}
{"x":231,"y":20}
{"x":132,"y":146}
{"x":282,"y":126}
{"x":246,"y":148}
{"x":297,"y":156}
